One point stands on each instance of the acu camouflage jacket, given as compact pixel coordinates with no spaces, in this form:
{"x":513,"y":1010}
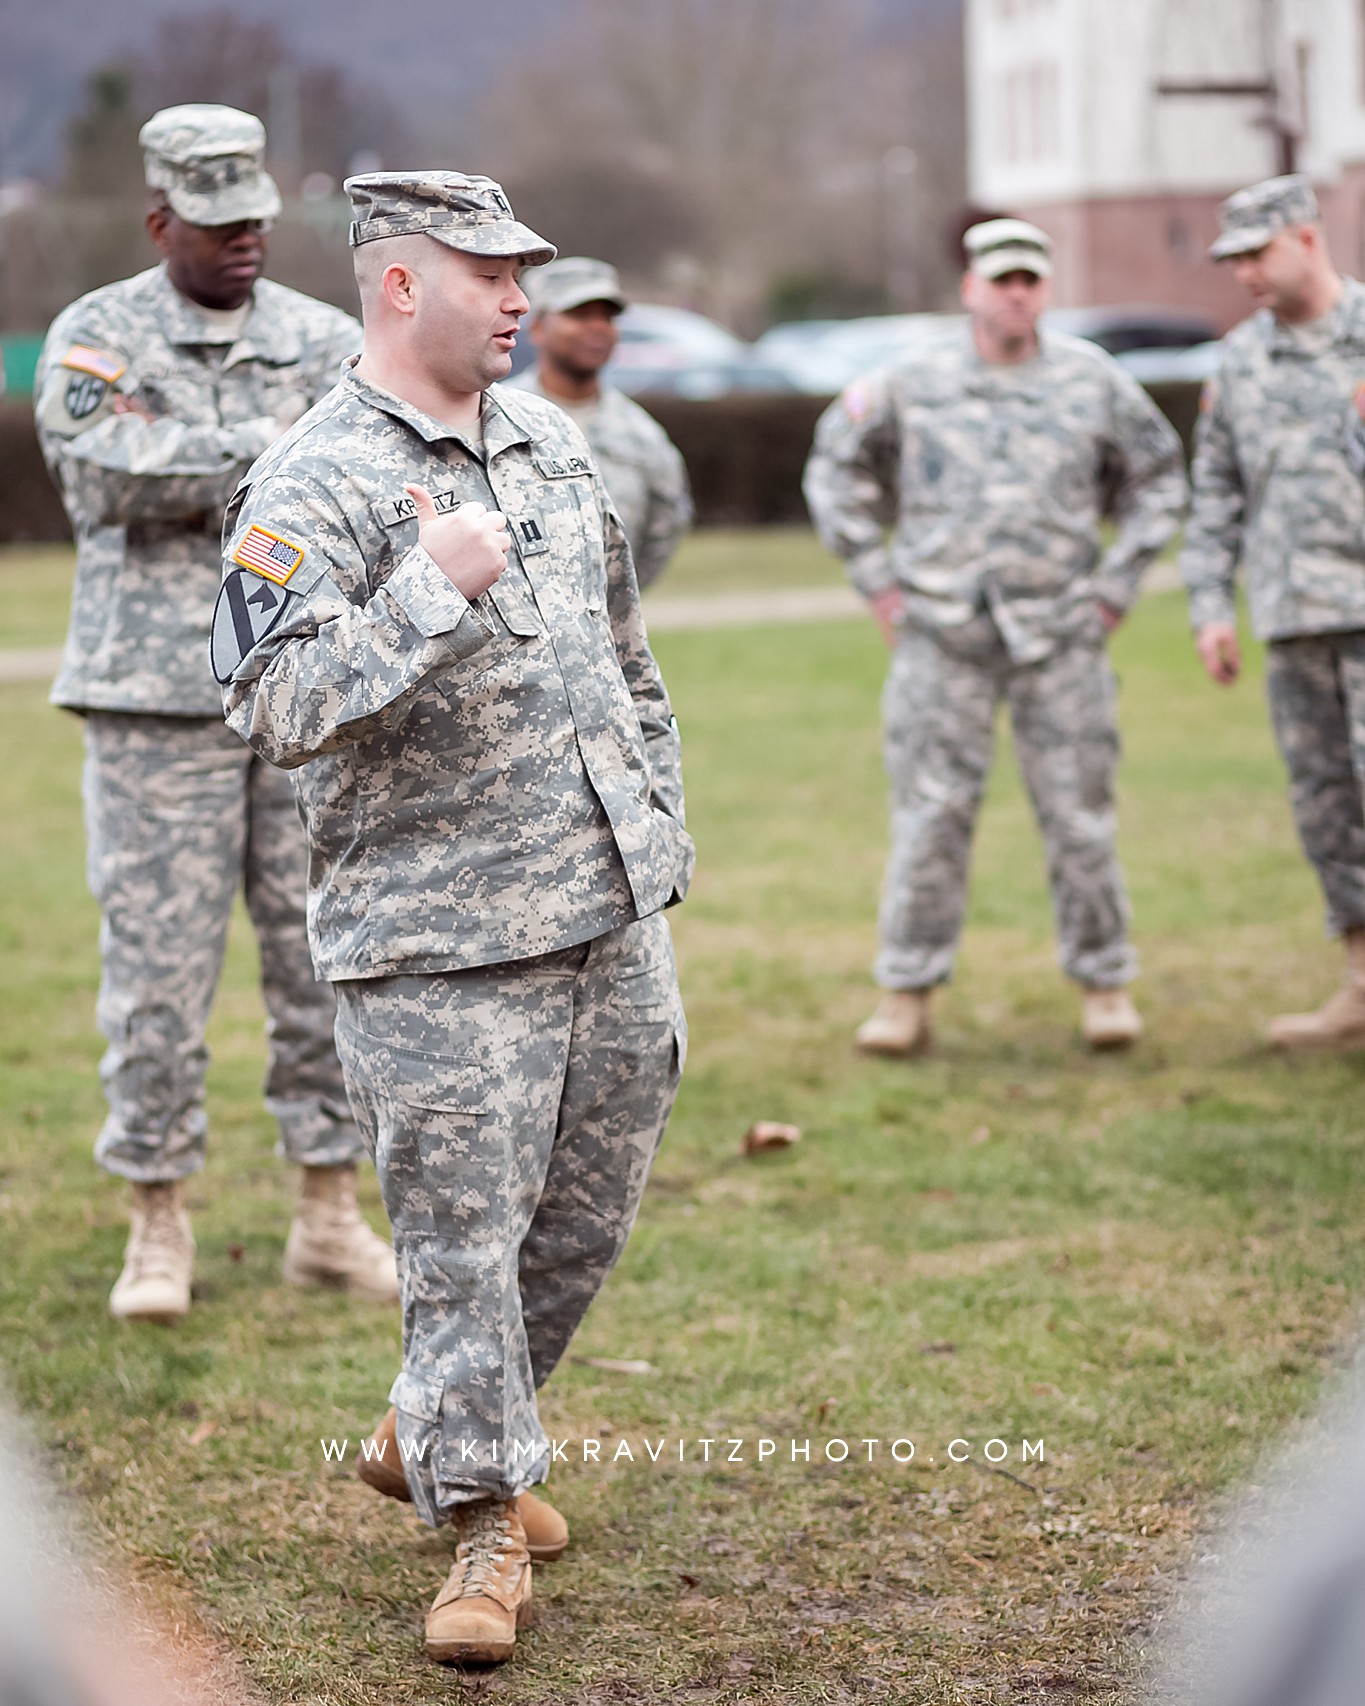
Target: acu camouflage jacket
{"x":1274,"y":484}
{"x":482,"y":782}
{"x":146,"y":498}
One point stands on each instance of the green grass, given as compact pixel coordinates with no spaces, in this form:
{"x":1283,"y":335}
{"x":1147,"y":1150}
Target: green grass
{"x":35,"y":594}
{"x":1149,"y":1262}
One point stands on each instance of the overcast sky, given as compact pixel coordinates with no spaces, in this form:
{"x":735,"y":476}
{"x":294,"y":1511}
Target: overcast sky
{"x":420,"y":51}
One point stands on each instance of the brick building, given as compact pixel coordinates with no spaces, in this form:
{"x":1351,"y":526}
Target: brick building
{"x":1119,"y":125}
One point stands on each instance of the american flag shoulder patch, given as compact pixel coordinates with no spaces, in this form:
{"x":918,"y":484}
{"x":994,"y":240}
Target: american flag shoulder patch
{"x":269,"y":554}
{"x":102,"y":363}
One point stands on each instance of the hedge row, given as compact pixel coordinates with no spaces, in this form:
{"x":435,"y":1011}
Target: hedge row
{"x":744,"y":453}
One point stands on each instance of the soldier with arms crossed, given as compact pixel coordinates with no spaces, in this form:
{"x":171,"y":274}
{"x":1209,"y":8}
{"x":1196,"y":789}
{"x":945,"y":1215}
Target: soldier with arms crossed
{"x":1275,"y":489}
{"x":154,"y":396}
{"x":429,"y":605}
{"x":998,"y":451}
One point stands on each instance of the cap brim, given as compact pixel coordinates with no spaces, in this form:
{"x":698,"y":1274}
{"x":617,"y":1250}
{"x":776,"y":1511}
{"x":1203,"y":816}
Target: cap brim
{"x":1000,"y":261}
{"x":580,"y":299}
{"x":1240,"y":242}
{"x":258,"y":198}
{"x":508,"y":239}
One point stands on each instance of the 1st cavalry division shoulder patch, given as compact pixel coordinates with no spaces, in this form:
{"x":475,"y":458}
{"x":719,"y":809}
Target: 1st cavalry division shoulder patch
{"x":268,"y":554}
{"x":246,"y":611}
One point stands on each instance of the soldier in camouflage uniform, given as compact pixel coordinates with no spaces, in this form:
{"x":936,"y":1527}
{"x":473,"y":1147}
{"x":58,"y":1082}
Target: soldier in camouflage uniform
{"x":1275,"y":487}
{"x":154,"y":396}
{"x":574,"y":307}
{"x":429,"y":605}
{"x":994,"y":454}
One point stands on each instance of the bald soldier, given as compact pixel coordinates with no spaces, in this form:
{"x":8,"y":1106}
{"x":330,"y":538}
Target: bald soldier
{"x":429,"y":606}
{"x":1276,"y":490}
{"x":154,"y":396}
{"x":998,"y":451}
{"x":575,"y":304}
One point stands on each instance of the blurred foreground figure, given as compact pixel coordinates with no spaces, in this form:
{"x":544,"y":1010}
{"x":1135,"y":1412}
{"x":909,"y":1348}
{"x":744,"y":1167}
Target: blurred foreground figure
{"x":996,"y":454}
{"x":154,"y":396}
{"x":450,"y":646}
{"x":574,"y":306}
{"x":110,"y":1654}
{"x":1275,"y":1613}
{"x":1274,"y":488}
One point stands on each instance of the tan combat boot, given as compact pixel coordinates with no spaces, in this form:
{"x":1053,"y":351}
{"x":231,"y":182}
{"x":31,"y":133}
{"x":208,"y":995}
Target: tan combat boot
{"x":487,"y":1595}
{"x":330,"y":1242}
{"x":1109,"y":1019}
{"x":1340,"y":1021}
{"x":900,"y":1024}
{"x":158,"y":1264}
{"x":380,"y":1466}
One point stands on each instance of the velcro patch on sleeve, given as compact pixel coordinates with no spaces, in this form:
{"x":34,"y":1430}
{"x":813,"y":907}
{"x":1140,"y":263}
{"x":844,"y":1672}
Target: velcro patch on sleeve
{"x":245,"y":613}
{"x":269,"y":554}
{"x":102,"y":363}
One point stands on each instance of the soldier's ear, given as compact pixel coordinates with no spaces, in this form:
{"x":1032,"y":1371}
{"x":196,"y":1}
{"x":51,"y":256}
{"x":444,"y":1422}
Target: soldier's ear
{"x":158,"y":216}
{"x":398,"y":287}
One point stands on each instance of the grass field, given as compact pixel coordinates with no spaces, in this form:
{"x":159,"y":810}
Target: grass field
{"x":1148,"y":1262}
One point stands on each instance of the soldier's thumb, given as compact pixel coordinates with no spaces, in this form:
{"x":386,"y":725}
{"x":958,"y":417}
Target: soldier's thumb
{"x":426,"y":509}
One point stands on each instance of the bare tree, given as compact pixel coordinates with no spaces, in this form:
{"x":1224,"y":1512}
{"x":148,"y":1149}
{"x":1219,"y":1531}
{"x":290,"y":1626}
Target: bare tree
{"x":760,"y":130}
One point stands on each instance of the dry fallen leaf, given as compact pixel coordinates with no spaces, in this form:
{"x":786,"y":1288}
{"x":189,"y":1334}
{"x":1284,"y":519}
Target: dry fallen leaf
{"x":203,"y":1432}
{"x":769,"y":1134}
{"x":616,"y":1365}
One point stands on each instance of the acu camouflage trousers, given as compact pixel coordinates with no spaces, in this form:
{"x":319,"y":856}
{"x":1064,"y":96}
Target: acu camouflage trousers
{"x":1316,"y":687}
{"x":515,"y":1111}
{"x":180,"y":815}
{"x":939,"y":715}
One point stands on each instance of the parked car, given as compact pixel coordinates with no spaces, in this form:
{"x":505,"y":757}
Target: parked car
{"x":1133,"y":326}
{"x":1165,"y":366}
{"x":675,"y":352}
{"x":822,"y":356}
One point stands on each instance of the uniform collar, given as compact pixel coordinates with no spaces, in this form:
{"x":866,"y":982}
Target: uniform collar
{"x":1016,"y":375}
{"x":1345,"y":322}
{"x":265,"y":337}
{"x":501,"y":425}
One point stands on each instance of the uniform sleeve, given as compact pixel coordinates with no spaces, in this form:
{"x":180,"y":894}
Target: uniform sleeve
{"x":646,"y":685}
{"x":849,"y":481}
{"x":118,"y":468}
{"x":669,"y":513}
{"x":1213,"y":539}
{"x":1149,"y":490}
{"x":337,"y":662}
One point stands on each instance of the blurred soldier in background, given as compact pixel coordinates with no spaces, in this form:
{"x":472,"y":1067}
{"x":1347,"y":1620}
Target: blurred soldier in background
{"x":574,"y":305}
{"x":996,"y":453}
{"x":1274,"y":487}
{"x":154,"y":397}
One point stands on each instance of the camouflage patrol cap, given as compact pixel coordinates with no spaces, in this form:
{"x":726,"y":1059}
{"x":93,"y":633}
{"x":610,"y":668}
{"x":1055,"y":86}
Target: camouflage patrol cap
{"x":998,"y":246}
{"x":1249,"y":219}
{"x":570,"y":282}
{"x":466,"y":213}
{"x":209,"y":160}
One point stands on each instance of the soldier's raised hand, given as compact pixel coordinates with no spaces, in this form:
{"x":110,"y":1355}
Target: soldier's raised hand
{"x":469,"y":544}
